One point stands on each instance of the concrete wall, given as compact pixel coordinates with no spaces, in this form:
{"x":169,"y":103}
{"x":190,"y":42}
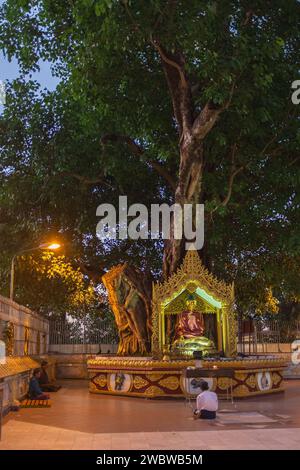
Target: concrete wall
{"x":16,"y":368}
{"x":23,"y":318}
{"x":82,"y":348}
{"x":267,"y":348}
{"x":292,"y":372}
{"x":70,"y":366}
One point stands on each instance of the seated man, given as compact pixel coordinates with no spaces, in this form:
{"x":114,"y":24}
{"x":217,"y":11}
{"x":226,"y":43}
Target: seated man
{"x":35,"y":392}
{"x":44,"y":381}
{"x":207,"y":403}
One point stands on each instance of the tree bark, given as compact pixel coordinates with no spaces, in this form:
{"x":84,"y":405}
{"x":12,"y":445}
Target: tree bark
{"x":193,"y":128}
{"x":129,"y":292}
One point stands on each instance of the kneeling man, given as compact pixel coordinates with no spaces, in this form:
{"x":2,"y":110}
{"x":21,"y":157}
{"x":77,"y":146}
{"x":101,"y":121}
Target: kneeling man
{"x":35,"y":391}
{"x":207,"y":403}
{"x":44,"y":381}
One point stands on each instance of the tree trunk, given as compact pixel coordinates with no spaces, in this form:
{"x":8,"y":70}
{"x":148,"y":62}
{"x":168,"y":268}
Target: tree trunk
{"x":187,"y":192}
{"x":193,"y":127}
{"x":129,"y":292}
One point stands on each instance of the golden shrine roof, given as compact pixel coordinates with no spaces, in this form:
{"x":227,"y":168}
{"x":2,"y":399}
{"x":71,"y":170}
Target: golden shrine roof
{"x":17,"y":365}
{"x":193,"y":272}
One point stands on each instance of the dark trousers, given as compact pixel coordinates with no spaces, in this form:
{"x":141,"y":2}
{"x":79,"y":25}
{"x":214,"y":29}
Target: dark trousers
{"x":50,"y":387}
{"x":43,"y":396}
{"x":205,"y":414}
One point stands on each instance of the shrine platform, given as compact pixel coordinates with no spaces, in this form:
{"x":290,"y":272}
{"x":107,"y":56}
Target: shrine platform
{"x":151,"y":378}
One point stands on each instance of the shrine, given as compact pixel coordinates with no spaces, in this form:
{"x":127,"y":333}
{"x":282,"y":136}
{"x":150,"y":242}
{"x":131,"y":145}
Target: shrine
{"x":193,"y":295}
{"x":191,"y":312}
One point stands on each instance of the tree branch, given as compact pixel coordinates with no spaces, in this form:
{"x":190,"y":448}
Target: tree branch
{"x":128,"y":12}
{"x":84,"y":179}
{"x":233,"y":173}
{"x":296,"y":159}
{"x":209,"y":115}
{"x":230,"y":185}
{"x":118,"y":138}
{"x":139,"y":151}
{"x":205,"y":121}
{"x":163,"y":172}
{"x":171,"y":62}
{"x":93,"y":274}
{"x":179,"y":88}
{"x":248,"y":17}
{"x":279,"y":131}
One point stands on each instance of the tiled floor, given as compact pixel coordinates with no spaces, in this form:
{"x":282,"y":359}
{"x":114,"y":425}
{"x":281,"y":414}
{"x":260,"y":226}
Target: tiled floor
{"x":79,"y":420}
{"x":19,"y":435}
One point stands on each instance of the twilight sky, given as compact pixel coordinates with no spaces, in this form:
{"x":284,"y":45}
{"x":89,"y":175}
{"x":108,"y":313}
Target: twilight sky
{"x":10,"y":71}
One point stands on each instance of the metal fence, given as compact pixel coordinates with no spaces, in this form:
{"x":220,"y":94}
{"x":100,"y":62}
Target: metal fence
{"x":101,"y":331}
{"x":256,"y":336}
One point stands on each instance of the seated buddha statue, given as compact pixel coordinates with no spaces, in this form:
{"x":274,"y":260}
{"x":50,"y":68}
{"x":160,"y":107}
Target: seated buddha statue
{"x":189,"y":331}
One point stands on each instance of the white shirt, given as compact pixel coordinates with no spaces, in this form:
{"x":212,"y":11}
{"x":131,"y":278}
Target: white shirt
{"x":207,"y":401}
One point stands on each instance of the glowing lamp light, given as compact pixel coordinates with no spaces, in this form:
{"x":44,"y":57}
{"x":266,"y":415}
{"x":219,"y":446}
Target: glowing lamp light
{"x":52,"y":246}
{"x":43,"y":246}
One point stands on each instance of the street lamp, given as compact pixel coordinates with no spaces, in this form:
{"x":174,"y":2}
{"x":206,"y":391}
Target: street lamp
{"x":43,"y":246}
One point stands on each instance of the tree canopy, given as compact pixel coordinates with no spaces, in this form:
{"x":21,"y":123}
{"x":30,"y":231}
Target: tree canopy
{"x":146,"y":86}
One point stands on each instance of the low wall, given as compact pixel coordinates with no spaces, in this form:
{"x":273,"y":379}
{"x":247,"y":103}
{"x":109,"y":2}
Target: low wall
{"x":292,"y":372}
{"x":266,"y":348}
{"x":83,"y":348}
{"x":70,"y":366}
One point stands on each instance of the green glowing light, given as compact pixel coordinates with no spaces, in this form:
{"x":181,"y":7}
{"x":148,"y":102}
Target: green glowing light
{"x":208,"y":298}
{"x":204,"y":295}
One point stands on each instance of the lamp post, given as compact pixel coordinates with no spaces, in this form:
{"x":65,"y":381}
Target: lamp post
{"x":43,"y":246}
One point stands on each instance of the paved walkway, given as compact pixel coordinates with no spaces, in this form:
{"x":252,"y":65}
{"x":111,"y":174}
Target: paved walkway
{"x":19,"y":435}
{"x":79,"y":420}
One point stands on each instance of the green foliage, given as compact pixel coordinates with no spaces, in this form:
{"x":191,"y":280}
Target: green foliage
{"x":52,"y":286}
{"x":112,"y":82}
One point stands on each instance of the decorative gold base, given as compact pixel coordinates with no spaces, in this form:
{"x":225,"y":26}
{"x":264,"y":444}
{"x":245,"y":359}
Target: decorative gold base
{"x":150,"y":378}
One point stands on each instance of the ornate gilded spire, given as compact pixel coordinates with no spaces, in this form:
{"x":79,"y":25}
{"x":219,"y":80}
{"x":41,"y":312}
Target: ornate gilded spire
{"x":193,"y":271}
